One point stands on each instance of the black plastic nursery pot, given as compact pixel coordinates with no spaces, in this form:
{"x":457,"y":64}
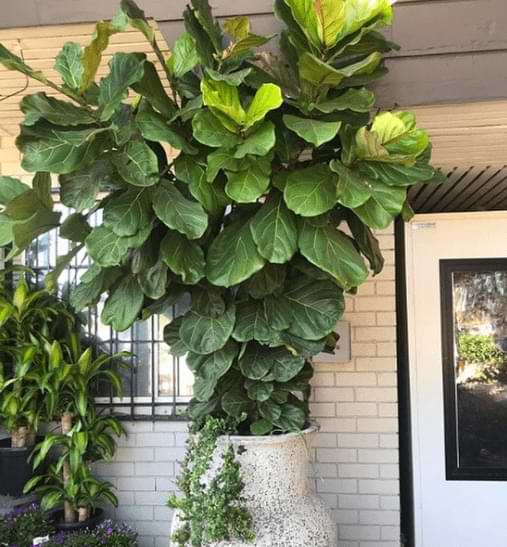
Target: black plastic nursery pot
{"x":90,"y":524}
{"x":15,"y":469}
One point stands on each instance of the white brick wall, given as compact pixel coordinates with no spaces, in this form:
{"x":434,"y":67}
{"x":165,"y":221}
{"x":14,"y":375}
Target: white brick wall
{"x":355,"y":454}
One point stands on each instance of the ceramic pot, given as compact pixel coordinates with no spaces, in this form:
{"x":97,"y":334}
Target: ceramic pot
{"x":285,"y":510}
{"x":15,"y":469}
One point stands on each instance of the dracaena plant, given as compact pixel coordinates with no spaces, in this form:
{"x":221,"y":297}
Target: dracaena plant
{"x":264,"y":211}
{"x":29,"y":318}
{"x":69,"y":381}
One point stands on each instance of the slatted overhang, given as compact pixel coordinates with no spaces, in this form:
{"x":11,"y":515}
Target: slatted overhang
{"x":470,"y":146}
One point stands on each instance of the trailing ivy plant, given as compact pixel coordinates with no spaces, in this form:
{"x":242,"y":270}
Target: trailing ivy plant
{"x":211,"y":506}
{"x":265,"y":218}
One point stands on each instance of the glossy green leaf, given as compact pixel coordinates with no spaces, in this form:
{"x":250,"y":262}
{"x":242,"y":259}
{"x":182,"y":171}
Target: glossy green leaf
{"x":219,"y":160}
{"x":173,"y":339}
{"x":357,"y":100}
{"x":246,"y":186}
{"x":123,"y":305}
{"x":75,"y":228}
{"x":202,"y":12}
{"x":305,"y":14}
{"x":256,"y":362}
{"x":69,"y":64}
{"x":154,"y":127}
{"x":261,"y":427}
{"x":223,"y":97}
{"x":153,"y":280}
{"x":209,"y":131}
{"x":270,"y":410}
{"x":184,"y":257}
{"x":205,"y":334}
{"x":151,"y":87}
{"x":26,"y":231}
{"x":216,"y":364}
{"x":105,"y":247}
{"x":357,"y":14}
{"x":125,"y":70}
{"x":333,"y":252}
{"x":177,"y":212}
{"x":6,"y":230}
{"x":184,"y":56}
{"x":368,"y":244}
{"x":10,"y":188}
{"x":259,"y":391}
{"x":233,"y":256}
{"x":316,"y":132}
{"x":251,"y":323}
{"x":331,"y":18}
{"x":292,"y":418}
{"x":235,"y":402}
{"x":137,"y":164}
{"x":315,"y":308}
{"x":353,"y":189}
{"x":258,"y":143}
{"x":54,"y":150}
{"x":266,"y":281}
{"x":79,"y":189}
{"x":287,"y":366}
{"x":311,"y":191}
{"x":398,"y":134}
{"x":40,"y":106}
{"x":274,"y":230}
{"x":268,"y":97}
{"x":128,"y":212}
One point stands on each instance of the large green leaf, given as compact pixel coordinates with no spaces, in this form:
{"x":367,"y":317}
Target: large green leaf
{"x":40,"y":106}
{"x":220,"y":159}
{"x":292,"y":418}
{"x":319,"y":73}
{"x":125,"y":70}
{"x":13,"y":62}
{"x":154,"y":127}
{"x":398,"y":133}
{"x":202,"y":12}
{"x":223,"y":97}
{"x":357,"y":100}
{"x":153,"y":280}
{"x":26,"y":231}
{"x":353,"y":189}
{"x":184,"y":56}
{"x":267,"y":281}
{"x":184,"y":257}
{"x":268,"y":97}
{"x":69,"y":63}
{"x":233,"y":256}
{"x":315,"y":308}
{"x":251,"y":322}
{"x":305,"y":14}
{"x":332,"y":251}
{"x":398,"y":174}
{"x":357,"y":14}
{"x":236,"y":402}
{"x":173,"y":339}
{"x":123,"y":305}
{"x":258,"y":143}
{"x":232,"y":78}
{"x":248,"y":185}
{"x":10,"y":188}
{"x":177,"y":212}
{"x":274,"y":230}
{"x":75,"y":228}
{"x":331,"y":18}
{"x":6,"y":233}
{"x":205,"y":334}
{"x":79,"y":190}
{"x":368,"y":244}
{"x":150,"y":87}
{"x":53,"y":150}
{"x":316,"y":132}
{"x":128,"y":212}
{"x":259,"y":391}
{"x":256,"y":361}
{"x":209,"y":131}
{"x":105,"y":247}
{"x":311,"y":191}
{"x":286,"y":366}
{"x":137,"y":164}
{"x":385,"y":204}
{"x":216,"y":364}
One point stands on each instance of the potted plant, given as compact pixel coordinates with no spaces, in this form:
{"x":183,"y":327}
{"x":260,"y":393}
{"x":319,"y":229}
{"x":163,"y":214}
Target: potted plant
{"x":265,"y":218}
{"x":28,"y":318}
{"x":84,"y":437}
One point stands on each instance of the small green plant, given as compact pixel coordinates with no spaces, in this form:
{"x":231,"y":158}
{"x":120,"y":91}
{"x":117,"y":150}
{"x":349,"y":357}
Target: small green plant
{"x":212,"y":508}
{"x":481,"y":350}
{"x":28,"y":320}
{"x":85,"y":437}
{"x":19,"y":527}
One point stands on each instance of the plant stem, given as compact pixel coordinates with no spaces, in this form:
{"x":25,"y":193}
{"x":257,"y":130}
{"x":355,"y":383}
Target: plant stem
{"x":69,"y":513}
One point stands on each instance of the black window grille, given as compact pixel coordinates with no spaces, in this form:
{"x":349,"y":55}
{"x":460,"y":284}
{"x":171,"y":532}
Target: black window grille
{"x":156,"y":385}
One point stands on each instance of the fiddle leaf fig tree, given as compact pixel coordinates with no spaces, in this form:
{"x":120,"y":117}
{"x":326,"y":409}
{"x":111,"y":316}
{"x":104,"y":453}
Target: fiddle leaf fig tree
{"x":247,"y":183}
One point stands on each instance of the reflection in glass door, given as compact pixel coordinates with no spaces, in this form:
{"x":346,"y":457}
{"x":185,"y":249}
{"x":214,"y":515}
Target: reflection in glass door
{"x":474,"y":345}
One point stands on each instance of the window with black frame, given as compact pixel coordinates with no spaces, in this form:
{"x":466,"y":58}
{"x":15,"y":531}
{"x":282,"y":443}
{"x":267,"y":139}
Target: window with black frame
{"x":474,"y":345}
{"x":156,"y":385}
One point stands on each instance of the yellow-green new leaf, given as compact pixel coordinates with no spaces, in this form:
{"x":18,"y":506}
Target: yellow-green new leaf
{"x":268,"y":97}
{"x":224,"y":98}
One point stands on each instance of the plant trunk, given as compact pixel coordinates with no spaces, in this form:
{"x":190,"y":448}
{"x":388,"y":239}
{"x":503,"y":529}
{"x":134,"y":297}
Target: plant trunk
{"x":83,"y":514}
{"x":69,"y":512}
{"x":22,"y":437}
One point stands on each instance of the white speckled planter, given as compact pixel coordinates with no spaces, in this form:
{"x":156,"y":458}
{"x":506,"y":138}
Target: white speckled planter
{"x":285,"y":510}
